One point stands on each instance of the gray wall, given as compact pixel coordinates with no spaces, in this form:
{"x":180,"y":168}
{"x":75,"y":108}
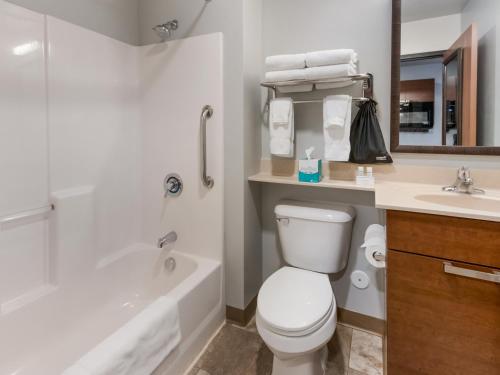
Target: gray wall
{"x":239,"y":21}
{"x":118,"y":19}
{"x":486,"y":14}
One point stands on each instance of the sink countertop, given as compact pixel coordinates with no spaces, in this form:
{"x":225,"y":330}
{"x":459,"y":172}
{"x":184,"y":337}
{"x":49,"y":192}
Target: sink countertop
{"x":430,"y":199}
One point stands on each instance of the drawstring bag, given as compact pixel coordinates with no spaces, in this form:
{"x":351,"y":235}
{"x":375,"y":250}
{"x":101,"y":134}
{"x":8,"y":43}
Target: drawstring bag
{"x":367,"y":141}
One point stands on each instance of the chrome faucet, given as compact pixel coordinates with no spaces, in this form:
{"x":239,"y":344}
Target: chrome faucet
{"x":464,"y":183}
{"x":167,"y":239}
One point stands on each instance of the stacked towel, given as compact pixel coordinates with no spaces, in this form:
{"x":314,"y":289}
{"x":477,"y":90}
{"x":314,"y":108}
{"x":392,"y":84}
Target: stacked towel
{"x":318,"y":65}
{"x":281,"y":127}
{"x":331,"y":57}
{"x":337,"y":127}
{"x":286,"y":62}
{"x":138,"y":347}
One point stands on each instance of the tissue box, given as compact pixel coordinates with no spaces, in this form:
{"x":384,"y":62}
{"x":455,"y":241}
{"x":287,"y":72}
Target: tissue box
{"x":310,"y":170}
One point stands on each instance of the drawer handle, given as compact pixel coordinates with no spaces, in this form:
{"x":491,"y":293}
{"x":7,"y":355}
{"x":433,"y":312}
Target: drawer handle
{"x":473,"y":274}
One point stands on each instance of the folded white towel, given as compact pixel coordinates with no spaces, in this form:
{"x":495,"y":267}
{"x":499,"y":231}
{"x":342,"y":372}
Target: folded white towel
{"x":281,"y":127}
{"x":331,"y":57}
{"x":337,"y":143}
{"x":335,"y":108}
{"x":335,"y":85}
{"x":138,"y":347}
{"x":330,"y":71}
{"x":286,"y":75}
{"x":296,"y":88}
{"x":286,"y":62}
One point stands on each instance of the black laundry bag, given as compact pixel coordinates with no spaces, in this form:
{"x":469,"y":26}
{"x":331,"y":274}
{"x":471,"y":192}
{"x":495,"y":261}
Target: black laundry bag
{"x":367,"y":142}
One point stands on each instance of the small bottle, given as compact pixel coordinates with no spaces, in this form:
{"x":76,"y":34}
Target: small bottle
{"x":369,"y":175}
{"x":361,"y":178}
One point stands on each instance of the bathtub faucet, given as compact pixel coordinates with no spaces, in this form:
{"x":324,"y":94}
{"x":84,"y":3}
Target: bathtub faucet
{"x":167,"y":239}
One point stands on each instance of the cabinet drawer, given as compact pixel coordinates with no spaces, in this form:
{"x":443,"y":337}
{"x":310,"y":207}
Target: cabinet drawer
{"x":466,"y":240}
{"x":440,"y":323}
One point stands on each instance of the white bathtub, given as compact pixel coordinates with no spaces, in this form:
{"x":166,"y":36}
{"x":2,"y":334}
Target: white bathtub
{"x":49,"y":335}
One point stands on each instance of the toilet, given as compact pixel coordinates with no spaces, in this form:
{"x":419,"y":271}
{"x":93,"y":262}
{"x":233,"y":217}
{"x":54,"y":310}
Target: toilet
{"x":296,"y":308}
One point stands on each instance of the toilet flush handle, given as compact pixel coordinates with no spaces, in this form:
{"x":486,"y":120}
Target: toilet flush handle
{"x":283,"y":220}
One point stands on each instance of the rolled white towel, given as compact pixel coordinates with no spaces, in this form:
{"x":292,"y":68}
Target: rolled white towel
{"x":286,"y":62}
{"x":331,"y":57}
{"x":286,"y":75}
{"x":330,"y":71}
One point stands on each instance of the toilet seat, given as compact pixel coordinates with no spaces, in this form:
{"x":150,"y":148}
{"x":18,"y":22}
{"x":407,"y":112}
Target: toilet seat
{"x":295,"y":302}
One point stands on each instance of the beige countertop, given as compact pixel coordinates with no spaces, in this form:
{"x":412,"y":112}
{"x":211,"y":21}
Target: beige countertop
{"x":430,"y":199}
{"x":409,"y":196}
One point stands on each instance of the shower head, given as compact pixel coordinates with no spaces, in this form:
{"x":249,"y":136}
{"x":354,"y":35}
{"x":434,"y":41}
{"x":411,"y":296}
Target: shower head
{"x":164,"y":31}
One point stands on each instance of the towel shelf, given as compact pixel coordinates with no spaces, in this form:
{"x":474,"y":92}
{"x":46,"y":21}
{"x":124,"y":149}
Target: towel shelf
{"x":366,"y":78}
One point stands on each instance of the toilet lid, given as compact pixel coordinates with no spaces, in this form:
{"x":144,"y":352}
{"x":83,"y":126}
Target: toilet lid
{"x":294,"y":300}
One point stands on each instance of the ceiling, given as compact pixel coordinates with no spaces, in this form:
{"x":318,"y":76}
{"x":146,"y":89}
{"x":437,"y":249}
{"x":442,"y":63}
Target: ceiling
{"x":413,"y":10}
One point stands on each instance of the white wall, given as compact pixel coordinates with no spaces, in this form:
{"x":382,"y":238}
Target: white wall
{"x":118,"y":19}
{"x":171,"y":105}
{"x":431,"y":34}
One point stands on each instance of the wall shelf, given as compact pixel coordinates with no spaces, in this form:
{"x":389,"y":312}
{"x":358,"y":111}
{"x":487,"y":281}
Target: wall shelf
{"x":325,"y":183}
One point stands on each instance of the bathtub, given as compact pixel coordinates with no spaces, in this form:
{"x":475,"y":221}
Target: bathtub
{"x":48,"y":335}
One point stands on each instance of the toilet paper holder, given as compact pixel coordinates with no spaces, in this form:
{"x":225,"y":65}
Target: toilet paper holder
{"x":379,"y":256}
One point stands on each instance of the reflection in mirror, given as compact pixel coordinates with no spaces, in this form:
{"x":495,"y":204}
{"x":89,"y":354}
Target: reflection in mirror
{"x":448,"y":83}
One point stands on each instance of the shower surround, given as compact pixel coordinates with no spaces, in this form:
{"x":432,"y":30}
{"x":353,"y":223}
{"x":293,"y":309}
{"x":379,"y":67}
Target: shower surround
{"x":92,"y":126}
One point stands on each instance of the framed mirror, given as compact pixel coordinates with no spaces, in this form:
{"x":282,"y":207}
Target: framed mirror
{"x":445,"y":89}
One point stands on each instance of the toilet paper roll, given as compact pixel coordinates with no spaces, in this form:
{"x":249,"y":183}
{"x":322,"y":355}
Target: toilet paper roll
{"x":371,"y":252}
{"x":375,"y":245}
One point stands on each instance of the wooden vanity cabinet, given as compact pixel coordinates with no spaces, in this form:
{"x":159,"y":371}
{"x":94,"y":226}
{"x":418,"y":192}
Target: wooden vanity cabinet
{"x":438,"y":322}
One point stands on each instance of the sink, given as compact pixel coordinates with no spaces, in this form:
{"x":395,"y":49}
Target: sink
{"x":471,"y":202}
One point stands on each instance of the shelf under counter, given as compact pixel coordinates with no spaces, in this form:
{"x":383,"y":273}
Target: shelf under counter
{"x":325,"y":183}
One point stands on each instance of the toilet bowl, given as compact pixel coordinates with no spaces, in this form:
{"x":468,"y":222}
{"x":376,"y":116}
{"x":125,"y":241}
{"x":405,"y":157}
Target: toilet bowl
{"x":296,"y":308}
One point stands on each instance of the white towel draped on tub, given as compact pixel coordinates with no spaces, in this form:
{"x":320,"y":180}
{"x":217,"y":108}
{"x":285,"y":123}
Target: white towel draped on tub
{"x":138,"y":347}
{"x":337,"y":113}
{"x":331,"y":57}
{"x":281,"y":127}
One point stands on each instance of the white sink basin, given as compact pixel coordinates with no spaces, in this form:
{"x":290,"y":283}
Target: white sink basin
{"x":471,"y":202}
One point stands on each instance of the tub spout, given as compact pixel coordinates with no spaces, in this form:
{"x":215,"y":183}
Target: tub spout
{"x":167,"y":239}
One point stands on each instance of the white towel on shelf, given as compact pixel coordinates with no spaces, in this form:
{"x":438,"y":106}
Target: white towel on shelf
{"x":286,"y":75}
{"x":337,"y":143}
{"x":335,"y":85}
{"x":286,"y":62}
{"x":330,"y":71}
{"x":281,"y":127}
{"x":331,"y":57}
{"x":335,"y":108}
{"x":138,"y":347}
{"x":296,"y":88}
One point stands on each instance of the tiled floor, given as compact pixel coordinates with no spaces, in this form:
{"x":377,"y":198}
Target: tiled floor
{"x":240,"y":351}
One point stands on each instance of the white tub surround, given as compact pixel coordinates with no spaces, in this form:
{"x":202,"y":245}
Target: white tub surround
{"x":93,"y":126}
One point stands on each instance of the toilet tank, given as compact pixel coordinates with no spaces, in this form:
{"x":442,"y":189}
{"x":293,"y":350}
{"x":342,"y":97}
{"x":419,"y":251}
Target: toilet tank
{"x":315,"y":236}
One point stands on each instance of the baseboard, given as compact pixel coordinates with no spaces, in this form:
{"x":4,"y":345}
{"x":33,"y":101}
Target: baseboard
{"x":241,"y":317}
{"x":365,"y":322}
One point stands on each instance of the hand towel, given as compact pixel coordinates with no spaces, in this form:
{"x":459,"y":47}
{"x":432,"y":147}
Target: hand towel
{"x":281,"y":127}
{"x":286,"y":62}
{"x":138,"y":347}
{"x":330,"y":71}
{"x":331,"y":57}
{"x":335,"y":108}
{"x":286,"y":75}
{"x":337,"y":143}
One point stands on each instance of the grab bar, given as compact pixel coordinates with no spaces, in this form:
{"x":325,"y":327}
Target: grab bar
{"x":26,"y":214}
{"x":206,"y":112}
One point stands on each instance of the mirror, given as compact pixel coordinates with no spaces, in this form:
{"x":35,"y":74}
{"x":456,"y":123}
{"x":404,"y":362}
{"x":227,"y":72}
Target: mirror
{"x":444,"y":80}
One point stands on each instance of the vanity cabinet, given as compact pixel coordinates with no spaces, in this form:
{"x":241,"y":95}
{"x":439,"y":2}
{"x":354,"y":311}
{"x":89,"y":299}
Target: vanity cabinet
{"x":443,"y":299}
